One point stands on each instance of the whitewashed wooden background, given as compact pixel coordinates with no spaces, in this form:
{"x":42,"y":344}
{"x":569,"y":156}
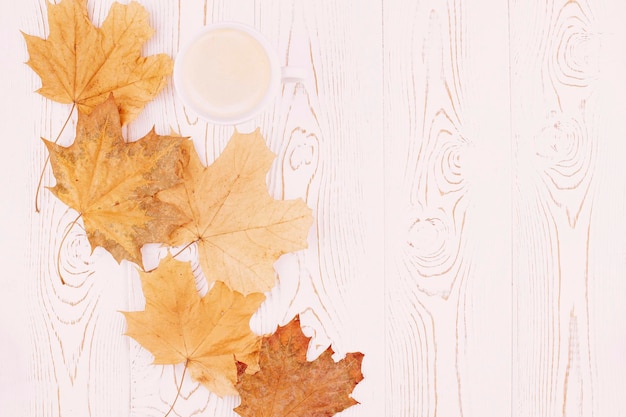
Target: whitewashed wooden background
{"x":465,"y":162}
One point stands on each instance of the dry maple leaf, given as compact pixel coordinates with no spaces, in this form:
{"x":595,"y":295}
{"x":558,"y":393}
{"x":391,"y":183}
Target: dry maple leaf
{"x":82,"y":64}
{"x":112,"y":184}
{"x":287,"y":385}
{"x":209,"y":334}
{"x":239,"y":228}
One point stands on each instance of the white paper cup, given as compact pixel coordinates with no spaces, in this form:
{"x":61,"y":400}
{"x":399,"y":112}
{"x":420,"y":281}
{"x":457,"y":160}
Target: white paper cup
{"x":228,"y":73}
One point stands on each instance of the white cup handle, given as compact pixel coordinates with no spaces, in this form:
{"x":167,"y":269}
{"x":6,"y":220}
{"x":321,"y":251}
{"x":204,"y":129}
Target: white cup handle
{"x":292,"y":74}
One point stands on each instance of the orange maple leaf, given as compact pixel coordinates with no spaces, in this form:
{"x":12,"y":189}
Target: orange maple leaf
{"x":288,"y":385}
{"x":79,"y":63}
{"x":210,"y":335}
{"x":112,"y":184}
{"x":239,"y":228}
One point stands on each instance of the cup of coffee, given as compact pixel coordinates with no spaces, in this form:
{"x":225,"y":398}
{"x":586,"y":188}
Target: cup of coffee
{"x":229,"y":72}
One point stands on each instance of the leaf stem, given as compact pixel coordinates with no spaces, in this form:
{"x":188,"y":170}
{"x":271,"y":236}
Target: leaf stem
{"x":185,"y":247}
{"x":45,"y":165}
{"x":180,"y":387}
{"x":65,"y":235}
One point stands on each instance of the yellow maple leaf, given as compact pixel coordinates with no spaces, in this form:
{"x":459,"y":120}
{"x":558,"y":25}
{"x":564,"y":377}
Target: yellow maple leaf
{"x":79,"y":63}
{"x":210,"y":334}
{"x":239,"y":228}
{"x":112,"y":184}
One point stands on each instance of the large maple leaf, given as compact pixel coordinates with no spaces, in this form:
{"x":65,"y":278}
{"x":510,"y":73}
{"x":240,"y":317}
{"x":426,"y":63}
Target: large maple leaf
{"x":112,"y":184}
{"x":210,"y":335}
{"x":239,"y":228}
{"x":79,"y":63}
{"x":287,"y":385}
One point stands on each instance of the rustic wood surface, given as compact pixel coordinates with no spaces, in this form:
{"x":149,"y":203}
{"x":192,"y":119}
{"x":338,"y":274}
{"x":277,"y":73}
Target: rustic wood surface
{"x":464,"y":162}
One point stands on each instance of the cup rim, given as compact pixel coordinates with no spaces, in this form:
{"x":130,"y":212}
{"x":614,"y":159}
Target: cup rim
{"x":274,"y":71}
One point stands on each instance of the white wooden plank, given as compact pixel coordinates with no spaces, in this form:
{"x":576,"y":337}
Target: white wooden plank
{"x":75,"y":349}
{"x":607,"y":253}
{"x":14,"y":217}
{"x":563,"y":143}
{"x":331,"y":154}
{"x":446,"y":124}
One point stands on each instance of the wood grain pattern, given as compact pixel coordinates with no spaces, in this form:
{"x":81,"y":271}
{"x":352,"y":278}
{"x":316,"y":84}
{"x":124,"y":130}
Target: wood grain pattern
{"x":555,"y":134}
{"x":562,"y":148}
{"x":447,"y":217}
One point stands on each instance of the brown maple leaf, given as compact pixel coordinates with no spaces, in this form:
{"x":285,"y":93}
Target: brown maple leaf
{"x":239,"y":228}
{"x":210,"y":335}
{"x":287,"y":385}
{"x":79,"y":63}
{"x":112,"y":184}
